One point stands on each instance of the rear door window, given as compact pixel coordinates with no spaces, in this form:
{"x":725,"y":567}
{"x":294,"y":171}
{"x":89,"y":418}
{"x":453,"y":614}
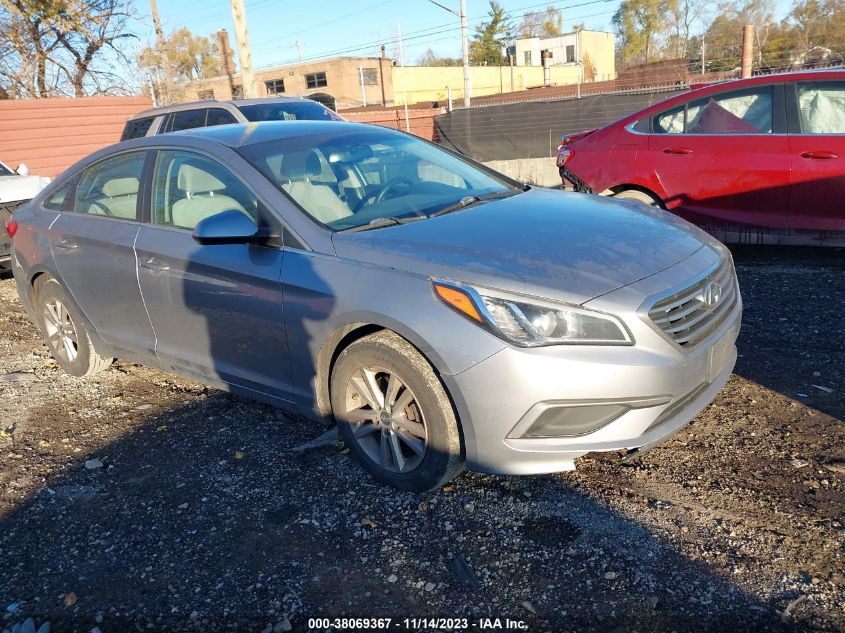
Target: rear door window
{"x":219,"y":116}
{"x":110,"y":187}
{"x":739,"y":112}
{"x":822,"y":107}
{"x":747,"y":111}
{"x":671,"y":121}
{"x":187,"y":120}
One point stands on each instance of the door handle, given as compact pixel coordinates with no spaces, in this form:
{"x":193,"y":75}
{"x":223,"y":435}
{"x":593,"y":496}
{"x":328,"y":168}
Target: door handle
{"x":154,"y":264}
{"x":821,"y":155}
{"x":67,"y":244}
{"x":677,"y":150}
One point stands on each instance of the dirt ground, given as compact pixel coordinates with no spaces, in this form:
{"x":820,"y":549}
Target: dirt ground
{"x":138,"y":501}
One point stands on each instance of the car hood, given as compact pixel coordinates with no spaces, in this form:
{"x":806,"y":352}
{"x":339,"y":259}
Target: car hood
{"x":16,"y":188}
{"x":565,"y":246}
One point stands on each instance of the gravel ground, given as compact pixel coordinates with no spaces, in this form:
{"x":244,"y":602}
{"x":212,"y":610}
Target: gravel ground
{"x":139,"y":501}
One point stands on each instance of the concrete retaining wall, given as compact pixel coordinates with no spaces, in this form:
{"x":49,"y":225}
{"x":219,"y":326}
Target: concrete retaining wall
{"x":533,"y":171}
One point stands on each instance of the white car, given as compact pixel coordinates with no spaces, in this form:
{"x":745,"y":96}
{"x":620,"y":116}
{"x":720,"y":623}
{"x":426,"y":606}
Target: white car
{"x":16,"y":187}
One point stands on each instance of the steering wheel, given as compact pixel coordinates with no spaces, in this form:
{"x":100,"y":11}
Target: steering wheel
{"x":389,"y":186}
{"x":374,"y":198}
{"x":101,"y":207}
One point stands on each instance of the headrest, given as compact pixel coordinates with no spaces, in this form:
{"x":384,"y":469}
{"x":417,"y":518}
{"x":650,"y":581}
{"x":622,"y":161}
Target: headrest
{"x":121,"y":187}
{"x":194,"y":180}
{"x":301,"y":164}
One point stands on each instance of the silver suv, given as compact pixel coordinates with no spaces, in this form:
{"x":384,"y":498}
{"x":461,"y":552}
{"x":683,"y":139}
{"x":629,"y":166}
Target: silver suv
{"x":186,"y":116}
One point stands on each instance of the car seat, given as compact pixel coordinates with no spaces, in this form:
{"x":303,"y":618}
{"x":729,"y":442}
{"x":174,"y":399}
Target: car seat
{"x":119,"y":199}
{"x":202,"y":198}
{"x":300,"y":168}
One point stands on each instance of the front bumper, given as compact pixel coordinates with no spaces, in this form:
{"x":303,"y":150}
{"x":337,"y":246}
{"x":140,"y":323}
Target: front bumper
{"x":661,"y":387}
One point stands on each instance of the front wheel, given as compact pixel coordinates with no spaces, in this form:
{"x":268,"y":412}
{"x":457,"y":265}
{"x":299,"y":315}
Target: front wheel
{"x":64,"y":332}
{"x":394,"y":414}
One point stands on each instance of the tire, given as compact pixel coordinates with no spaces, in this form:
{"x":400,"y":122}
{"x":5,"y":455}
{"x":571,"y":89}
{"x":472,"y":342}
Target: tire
{"x":639,"y":196}
{"x":387,"y":398}
{"x":64,"y":331}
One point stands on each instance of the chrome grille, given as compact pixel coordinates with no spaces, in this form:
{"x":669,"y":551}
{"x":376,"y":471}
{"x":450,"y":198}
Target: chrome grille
{"x":685,"y":316}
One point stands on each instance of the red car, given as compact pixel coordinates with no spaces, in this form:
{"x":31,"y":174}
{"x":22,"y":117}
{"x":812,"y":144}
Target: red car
{"x":753,"y":160}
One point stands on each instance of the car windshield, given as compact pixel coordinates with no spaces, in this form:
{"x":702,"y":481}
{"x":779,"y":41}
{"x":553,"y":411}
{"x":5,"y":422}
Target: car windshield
{"x":5,"y":171}
{"x":288,"y":111}
{"x":363,"y":177}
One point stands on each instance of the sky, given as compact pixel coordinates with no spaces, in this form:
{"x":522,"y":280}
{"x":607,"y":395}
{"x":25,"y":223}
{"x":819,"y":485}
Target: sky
{"x":356,"y":28}
{"x":334,"y":27}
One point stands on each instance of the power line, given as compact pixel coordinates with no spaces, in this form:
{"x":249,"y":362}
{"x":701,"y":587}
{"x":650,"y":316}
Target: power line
{"x":415,"y":35}
{"x":324,"y":22}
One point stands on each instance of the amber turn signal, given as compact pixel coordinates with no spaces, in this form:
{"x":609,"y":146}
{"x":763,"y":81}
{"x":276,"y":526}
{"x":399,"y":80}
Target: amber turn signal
{"x":458,"y":300}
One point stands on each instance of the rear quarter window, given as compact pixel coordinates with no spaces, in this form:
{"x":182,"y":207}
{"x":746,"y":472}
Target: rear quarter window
{"x":136,"y":128}
{"x":59,"y":200}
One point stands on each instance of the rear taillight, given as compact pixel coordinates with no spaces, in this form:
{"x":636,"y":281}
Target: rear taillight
{"x":11,"y":227}
{"x":564,"y":153}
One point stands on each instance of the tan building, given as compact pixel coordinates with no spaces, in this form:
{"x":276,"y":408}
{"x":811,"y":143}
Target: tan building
{"x":430,"y":84}
{"x":591,"y":52}
{"x":353,"y":82}
{"x":341,"y":82}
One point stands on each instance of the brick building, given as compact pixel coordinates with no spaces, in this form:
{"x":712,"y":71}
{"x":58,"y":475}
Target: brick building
{"x":340,"y":82}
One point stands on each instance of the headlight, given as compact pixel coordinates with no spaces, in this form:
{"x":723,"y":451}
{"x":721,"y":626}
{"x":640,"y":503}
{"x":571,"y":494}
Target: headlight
{"x":532,"y":322}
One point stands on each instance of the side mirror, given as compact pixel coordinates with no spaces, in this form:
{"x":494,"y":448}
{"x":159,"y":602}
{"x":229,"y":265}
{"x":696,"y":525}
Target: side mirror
{"x":22,"y":170}
{"x":228,"y":227}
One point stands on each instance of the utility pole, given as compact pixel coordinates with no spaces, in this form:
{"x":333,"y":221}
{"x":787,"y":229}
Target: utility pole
{"x":465,"y":51}
{"x":227,"y":66}
{"x":703,"y":66}
{"x":464,"y":46}
{"x":244,"y":53}
{"x":152,"y":90}
{"x":747,"y":50}
{"x":381,"y":76}
{"x":162,"y":50}
{"x":404,"y":79}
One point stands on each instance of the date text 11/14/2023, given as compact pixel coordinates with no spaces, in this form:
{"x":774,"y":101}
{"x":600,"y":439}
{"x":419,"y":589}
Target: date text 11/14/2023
{"x":416,"y":624}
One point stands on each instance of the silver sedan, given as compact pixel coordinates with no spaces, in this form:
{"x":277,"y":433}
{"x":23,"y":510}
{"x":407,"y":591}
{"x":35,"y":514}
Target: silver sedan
{"x":444,"y":315}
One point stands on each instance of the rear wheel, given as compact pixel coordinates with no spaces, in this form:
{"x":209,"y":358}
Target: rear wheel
{"x":64,"y":331}
{"x":394,"y":414}
{"x":639,"y":196}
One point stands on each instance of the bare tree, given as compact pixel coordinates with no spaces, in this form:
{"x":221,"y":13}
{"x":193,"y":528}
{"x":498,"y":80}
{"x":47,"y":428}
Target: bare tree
{"x":683,"y":18}
{"x":546,"y":23}
{"x":56,"y":47}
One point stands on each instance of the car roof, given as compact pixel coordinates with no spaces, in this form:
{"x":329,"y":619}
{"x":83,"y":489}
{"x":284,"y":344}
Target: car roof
{"x":210,"y":103}
{"x":244,"y":134}
{"x":232,"y":136}
{"x":820,"y":73}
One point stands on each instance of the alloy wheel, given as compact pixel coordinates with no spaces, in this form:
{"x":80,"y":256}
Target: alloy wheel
{"x":386,"y":419}
{"x":61,"y":331}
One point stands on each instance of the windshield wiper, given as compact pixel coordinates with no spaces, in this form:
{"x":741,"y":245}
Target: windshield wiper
{"x":468,"y":201}
{"x":378,"y":223}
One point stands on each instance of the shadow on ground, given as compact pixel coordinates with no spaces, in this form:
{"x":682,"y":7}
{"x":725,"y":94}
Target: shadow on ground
{"x":205,"y":516}
{"x":793,"y":329}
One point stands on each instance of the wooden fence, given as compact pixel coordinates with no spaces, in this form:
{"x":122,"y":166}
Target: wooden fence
{"x":50,"y":135}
